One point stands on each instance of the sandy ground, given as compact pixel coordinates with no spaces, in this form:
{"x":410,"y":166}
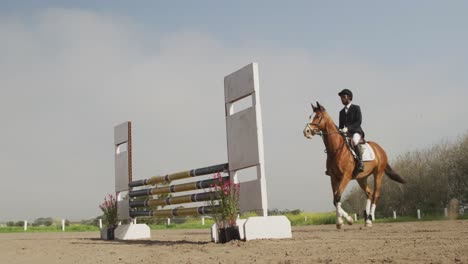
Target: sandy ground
{"x":414,"y":242}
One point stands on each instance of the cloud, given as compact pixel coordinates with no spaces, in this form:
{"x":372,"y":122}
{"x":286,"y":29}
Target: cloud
{"x":68,"y":76}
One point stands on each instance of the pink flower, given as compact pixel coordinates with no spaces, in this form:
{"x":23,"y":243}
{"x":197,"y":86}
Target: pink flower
{"x":225,"y":200}
{"x":109,"y":209}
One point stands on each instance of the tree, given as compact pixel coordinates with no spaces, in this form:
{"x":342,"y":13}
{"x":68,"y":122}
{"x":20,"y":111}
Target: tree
{"x":434,"y":176}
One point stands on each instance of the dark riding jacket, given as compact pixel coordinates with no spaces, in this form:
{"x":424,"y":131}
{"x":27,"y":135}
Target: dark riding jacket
{"x":352,"y":120}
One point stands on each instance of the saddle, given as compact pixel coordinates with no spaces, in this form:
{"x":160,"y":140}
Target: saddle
{"x":367,"y":155}
{"x":351,"y":148}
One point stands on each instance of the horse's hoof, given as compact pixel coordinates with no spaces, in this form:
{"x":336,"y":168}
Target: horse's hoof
{"x":338,"y":226}
{"x":349,"y":220}
{"x":368,"y":224}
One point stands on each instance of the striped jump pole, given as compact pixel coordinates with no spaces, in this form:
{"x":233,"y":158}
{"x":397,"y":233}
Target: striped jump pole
{"x":190,"y":198}
{"x":176,"y":188}
{"x":201,"y":210}
{"x":180,"y":175}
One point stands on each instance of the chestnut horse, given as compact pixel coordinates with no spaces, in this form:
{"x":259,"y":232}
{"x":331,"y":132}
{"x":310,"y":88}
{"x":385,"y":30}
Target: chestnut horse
{"x":341,"y":165}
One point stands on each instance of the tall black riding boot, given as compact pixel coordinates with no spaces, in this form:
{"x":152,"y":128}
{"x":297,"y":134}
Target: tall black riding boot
{"x":360,"y":166}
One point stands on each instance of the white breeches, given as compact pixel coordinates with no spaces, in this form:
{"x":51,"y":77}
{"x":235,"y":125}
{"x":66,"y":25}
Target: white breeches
{"x":356,"y":138}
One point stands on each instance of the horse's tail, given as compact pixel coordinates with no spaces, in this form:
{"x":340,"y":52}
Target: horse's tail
{"x":393,"y":175}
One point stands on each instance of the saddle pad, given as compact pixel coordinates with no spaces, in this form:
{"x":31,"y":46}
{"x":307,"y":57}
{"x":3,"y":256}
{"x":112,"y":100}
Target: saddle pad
{"x":368,"y":153}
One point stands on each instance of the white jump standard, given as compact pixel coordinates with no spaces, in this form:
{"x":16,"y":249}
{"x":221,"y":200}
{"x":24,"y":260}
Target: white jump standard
{"x":245,"y":150}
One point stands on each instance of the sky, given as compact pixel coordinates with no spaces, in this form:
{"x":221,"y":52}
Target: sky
{"x":72,"y":70}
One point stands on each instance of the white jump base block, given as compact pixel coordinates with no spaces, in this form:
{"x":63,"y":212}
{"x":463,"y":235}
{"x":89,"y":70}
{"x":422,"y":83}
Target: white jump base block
{"x":267,"y":227}
{"x":260,"y":227}
{"x":132,"y":232}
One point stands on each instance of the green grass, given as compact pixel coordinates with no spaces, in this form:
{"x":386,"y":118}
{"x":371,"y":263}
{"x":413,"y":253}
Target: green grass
{"x":301,"y":219}
{"x":413,"y":219}
{"x":37,"y":229}
{"x":81,"y":228}
{"x":463,"y":216}
{"x":311,"y":219}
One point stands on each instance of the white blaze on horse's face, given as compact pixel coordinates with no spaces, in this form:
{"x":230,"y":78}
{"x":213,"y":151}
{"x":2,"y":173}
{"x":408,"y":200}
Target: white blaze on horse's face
{"x":308,"y":130}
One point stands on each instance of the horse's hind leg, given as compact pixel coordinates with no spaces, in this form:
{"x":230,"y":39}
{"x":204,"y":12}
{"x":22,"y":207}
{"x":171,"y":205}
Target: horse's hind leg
{"x":376,"y":195}
{"x":369,"y":194}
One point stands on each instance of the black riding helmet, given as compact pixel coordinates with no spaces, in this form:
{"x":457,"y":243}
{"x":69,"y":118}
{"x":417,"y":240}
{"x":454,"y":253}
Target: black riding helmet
{"x":346,"y":92}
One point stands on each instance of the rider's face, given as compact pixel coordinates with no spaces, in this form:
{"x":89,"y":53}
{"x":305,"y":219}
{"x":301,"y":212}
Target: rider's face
{"x":345,"y":99}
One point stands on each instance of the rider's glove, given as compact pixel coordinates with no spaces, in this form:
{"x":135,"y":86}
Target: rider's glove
{"x":345,"y":129}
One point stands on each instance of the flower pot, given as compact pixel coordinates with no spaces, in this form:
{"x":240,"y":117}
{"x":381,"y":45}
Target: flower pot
{"x":229,"y":233}
{"x":107,"y":233}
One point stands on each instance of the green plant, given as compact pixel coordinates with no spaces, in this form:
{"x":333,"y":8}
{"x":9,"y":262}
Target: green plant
{"x":225,"y":201}
{"x":109,"y":209}
{"x":311,"y":218}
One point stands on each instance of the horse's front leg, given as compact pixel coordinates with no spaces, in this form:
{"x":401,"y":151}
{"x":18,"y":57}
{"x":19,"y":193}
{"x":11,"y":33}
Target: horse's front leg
{"x":340,"y":212}
{"x":339,"y":221}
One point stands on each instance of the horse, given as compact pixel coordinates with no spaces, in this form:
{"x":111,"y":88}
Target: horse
{"x":341,"y":165}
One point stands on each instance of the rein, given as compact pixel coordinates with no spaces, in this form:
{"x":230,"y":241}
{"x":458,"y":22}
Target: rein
{"x":345,"y":139}
{"x":322,"y":133}
{"x":331,"y":133}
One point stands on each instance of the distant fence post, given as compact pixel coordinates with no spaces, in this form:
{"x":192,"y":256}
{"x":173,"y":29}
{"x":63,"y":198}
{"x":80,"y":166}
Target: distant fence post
{"x":305,"y":218}
{"x":419,"y":214}
{"x":203,"y":220}
{"x":355,"y":217}
{"x":134,"y":221}
{"x":100,"y":223}
{"x":168,"y":221}
{"x":394,"y":214}
{"x":25,"y":225}
{"x":446,"y":212}
{"x":63,"y":224}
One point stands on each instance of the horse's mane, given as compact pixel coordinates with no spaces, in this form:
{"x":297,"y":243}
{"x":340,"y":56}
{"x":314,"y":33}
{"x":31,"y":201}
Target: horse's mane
{"x":330,"y":119}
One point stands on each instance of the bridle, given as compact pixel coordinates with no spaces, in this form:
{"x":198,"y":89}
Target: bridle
{"x":320,"y":132}
{"x":315,"y":129}
{"x":320,"y":121}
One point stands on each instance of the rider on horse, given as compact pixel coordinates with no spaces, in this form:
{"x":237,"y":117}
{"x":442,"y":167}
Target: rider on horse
{"x":350,"y":123}
{"x":341,"y":164}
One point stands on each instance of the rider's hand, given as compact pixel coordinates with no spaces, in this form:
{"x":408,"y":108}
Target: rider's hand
{"x":345,"y":129}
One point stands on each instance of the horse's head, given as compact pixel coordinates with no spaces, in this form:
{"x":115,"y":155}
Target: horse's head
{"x":316,"y":124}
